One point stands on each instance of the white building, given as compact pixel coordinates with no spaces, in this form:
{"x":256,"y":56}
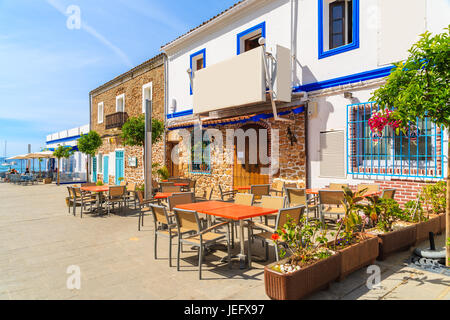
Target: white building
{"x":334,"y":54}
{"x":74,"y":168}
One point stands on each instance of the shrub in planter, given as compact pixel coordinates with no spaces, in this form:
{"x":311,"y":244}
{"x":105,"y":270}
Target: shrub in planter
{"x":425,"y":224}
{"x":310,"y":267}
{"x":392,"y":236}
{"x":357,"y":249}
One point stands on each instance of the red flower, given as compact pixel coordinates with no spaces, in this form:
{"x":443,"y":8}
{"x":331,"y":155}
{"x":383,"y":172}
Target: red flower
{"x":275,"y":236}
{"x":283,"y":230}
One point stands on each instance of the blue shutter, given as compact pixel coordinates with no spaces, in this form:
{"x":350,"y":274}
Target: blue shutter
{"x":94,"y":169}
{"x":105,"y":169}
{"x":120,"y":170}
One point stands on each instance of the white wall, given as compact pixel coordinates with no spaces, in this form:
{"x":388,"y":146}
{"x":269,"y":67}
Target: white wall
{"x":377,"y":47}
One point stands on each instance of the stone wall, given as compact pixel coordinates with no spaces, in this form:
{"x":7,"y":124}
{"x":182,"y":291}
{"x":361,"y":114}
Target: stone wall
{"x":292,"y":159}
{"x":131,"y":85}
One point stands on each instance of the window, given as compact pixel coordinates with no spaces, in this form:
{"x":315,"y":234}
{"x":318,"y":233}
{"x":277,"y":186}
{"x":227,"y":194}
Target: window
{"x":100,"y":163}
{"x":415,"y":154}
{"x":201,"y":150}
{"x":100,"y":112}
{"x":147,"y":94}
{"x":338,"y":26}
{"x":120,"y":103}
{"x":248,"y":39}
{"x":198,"y":62}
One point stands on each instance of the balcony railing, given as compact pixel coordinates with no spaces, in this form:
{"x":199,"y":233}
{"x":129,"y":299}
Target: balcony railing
{"x":116,"y":120}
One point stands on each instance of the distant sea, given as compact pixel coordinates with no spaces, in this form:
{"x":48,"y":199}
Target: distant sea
{"x":17,"y":165}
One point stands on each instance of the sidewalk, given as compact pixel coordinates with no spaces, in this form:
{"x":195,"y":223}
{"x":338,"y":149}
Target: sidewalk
{"x":40,"y":240}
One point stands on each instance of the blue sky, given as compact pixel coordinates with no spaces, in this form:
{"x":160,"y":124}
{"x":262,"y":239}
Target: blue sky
{"x":47,"y":69}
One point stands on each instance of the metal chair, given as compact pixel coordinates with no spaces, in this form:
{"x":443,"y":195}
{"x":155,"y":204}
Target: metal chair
{"x":371,"y":188}
{"x":188,"y":221}
{"x":298,"y":197}
{"x":79,"y":198}
{"x":227,"y":196}
{"x":283,"y":216}
{"x":144,"y":207}
{"x":388,"y":194}
{"x":170,"y":188}
{"x":260,"y":190}
{"x":116,"y":194}
{"x":337,"y":186}
{"x":329,"y":200}
{"x":130,"y":194}
{"x":164,"y":226}
{"x":277,"y":188}
{"x":207,"y":195}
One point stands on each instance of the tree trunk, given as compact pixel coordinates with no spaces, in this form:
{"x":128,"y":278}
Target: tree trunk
{"x":87,"y":169}
{"x":447,"y":232}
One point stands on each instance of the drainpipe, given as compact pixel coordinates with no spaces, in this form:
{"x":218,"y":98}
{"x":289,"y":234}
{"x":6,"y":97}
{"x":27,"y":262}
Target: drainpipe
{"x":307,"y":175}
{"x":88,"y":158}
{"x":166,"y":105}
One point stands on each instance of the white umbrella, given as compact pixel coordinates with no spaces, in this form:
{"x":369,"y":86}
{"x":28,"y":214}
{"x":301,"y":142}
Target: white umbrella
{"x":19,"y":157}
{"x":41,"y":155}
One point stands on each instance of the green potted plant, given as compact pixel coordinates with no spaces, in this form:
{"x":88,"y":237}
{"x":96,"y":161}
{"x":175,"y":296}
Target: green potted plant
{"x":393,"y":236}
{"x":357,"y":248}
{"x":414,"y":214}
{"x":99,"y":183}
{"x":434,"y":198}
{"x":311,"y":265}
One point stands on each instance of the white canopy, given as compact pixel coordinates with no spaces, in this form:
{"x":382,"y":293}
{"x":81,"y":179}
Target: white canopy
{"x":19,"y":157}
{"x":41,"y":155}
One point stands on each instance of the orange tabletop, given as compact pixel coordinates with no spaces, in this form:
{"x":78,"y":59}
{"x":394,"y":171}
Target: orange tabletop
{"x":181,"y":184}
{"x":201,"y":207}
{"x":240,"y":212}
{"x":163,"y":195}
{"x":244,"y":188}
{"x":96,"y":188}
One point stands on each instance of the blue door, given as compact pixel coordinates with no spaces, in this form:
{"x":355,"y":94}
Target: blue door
{"x":120,"y":170}
{"x":94,"y":169}
{"x":105,"y":169}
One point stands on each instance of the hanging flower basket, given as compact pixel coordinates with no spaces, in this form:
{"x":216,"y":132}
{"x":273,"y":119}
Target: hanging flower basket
{"x":413,"y":133}
{"x":376,"y":136}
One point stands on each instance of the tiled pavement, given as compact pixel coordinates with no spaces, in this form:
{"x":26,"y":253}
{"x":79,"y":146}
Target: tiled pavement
{"x":39,"y":240}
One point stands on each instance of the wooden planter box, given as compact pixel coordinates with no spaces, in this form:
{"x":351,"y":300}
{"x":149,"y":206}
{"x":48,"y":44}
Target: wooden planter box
{"x":301,"y":283}
{"x":394,"y":241}
{"x":443,"y":222}
{"x":424,"y":228}
{"x":358,"y":255}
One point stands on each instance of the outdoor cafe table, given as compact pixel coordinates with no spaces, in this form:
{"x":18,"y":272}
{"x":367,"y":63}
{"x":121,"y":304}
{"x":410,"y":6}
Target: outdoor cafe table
{"x":162,"y":195}
{"x":98,"y":190}
{"x":230,"y":211}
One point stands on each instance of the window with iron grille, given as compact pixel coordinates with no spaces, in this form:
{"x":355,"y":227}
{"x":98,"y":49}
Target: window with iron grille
{"x":201,"y":149}
{"x":415,"y":154}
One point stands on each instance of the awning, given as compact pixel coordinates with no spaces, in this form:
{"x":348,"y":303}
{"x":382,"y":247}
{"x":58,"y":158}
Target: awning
{"x":238,"y":119}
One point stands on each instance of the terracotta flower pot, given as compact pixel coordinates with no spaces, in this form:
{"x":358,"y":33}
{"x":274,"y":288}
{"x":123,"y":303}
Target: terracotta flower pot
{"x":301,"y":283}
{"x":395,"y":241}
{"x":358,"y":255}
{"x":424,"y":228}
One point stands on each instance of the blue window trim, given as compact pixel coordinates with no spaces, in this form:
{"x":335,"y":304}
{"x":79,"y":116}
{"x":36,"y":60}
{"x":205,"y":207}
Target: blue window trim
{"x":353,"y":78}
{"x":73,"y":138}
{"x":351,"y":46}
{"x":261,"y":26}
{"x":180,"y":114}
{"x":408,"y":166}
{"x":196,"y":54}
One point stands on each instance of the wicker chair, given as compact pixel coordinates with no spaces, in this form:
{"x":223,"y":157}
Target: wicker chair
{"x":330,"y":202}
{"x":388,"y":194}
{"x":130,"y":194}
{"x":116,"y":194}
{"x":371,"y":188}
{"x":170,"y":188}
{"x":298,"y":197}
{"x":144,"y":207}
{"x":337,"y":186}
{"x":283,"y":215}
{"x":207,"y":195}
{"x":227,"y":196}
{"x":188,"y":221}
{"x":81,"y":199}
{"x":260,"y":190}
{"x":164,"y":226}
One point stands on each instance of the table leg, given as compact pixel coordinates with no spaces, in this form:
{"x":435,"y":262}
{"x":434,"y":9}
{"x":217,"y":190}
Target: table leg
{"x":99,"y":207}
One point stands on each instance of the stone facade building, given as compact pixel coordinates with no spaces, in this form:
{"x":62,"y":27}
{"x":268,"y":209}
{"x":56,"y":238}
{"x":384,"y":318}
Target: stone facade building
{"x":111,"y":105}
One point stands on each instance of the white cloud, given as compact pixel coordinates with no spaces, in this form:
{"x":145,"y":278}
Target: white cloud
{"x":84,"y":26}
